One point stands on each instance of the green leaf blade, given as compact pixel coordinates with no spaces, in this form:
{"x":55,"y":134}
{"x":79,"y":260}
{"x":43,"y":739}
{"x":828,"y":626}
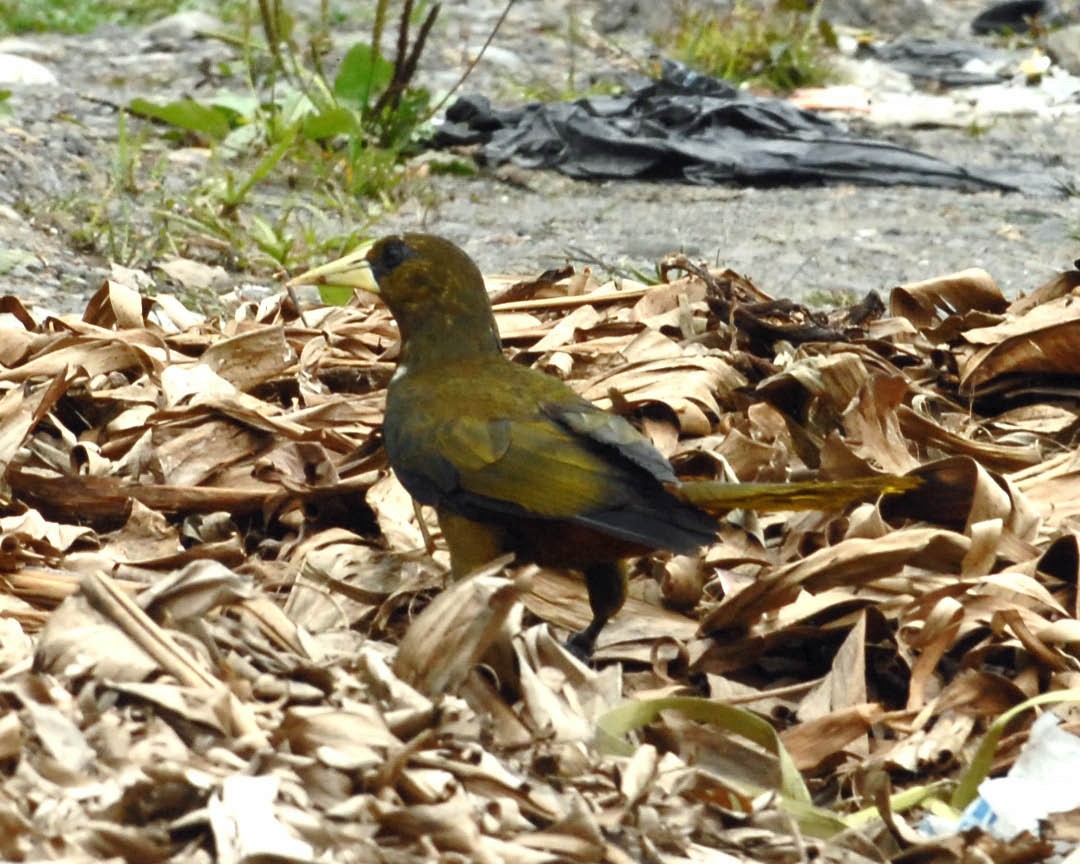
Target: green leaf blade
{"x":186,"y":114}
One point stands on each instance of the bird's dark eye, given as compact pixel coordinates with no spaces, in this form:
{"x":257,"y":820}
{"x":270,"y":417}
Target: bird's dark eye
{"x":393,"y":253}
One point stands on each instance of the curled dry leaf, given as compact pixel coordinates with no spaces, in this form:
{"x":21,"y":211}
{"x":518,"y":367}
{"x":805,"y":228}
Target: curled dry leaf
{"x":449,"y":638}
{"x":77,"y":640}
{"x":245,"y":826}
{"x":249,"y":359}
{"x":958,"y":492}
{"x":1038,"y":344}
{"x":852,"y":562}
{"x":998,"y":456}
{"x":690,"y":383}
{"x":193,"y":591}
{"x":119,"y":302}
{"x":928,"y":303}
{"x":560,"y":697}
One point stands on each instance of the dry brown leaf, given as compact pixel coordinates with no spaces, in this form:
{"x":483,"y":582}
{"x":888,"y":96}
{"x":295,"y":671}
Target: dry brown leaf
{"x":22,"y":409}
{"x":930,"y":302}
{"x":250,"y":358}
{"x":245,"y":826}
{"x":845,"y":685}
{"x":958,"y":492}
{"x":448,"y":638}
{"x":1001,"y":457}
{"x":830,"y":380}
{"x":875,"y":426}
{"x":350,"y":740}
{"x":575,"y":838}
{"x":15,"y":343}
{"x":562,"y":600}
{"x":849,"y":563}
{"x":396,"y":514}
{"x":77,"y":640}
{"x":93,"y":356}
{"x":565,"y":331}
{"x":813,"y":741}
{"x":561,"y":698}
{"x":119,"y":302}
{"x":692,"y":385}
{"x":1040,"y":343}
{"x":44,"y":537}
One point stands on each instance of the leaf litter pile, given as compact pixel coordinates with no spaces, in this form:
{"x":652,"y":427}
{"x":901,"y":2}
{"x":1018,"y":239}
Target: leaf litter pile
{"x":225,"y":633}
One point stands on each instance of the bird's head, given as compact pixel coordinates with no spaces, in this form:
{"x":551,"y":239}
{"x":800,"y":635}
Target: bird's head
{"x":433,"y":289}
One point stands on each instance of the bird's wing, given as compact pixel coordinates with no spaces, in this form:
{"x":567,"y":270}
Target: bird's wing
{"x":535,"y":464}
{"x":611,"y":430}
{"x":551,"y":456}
{"x":587,"y":469}
{"x":556,"y":461}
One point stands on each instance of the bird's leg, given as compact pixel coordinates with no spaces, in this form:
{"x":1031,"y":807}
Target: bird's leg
{"x":607,"y":593}
{"x":429,"y":541}
{"x":471,"y":544}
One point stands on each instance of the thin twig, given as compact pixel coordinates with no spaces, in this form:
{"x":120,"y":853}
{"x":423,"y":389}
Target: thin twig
{"x":405,"y":65}
{"x":472,"y":63}
{"x":402,"y":42}
{"x":268,"y":16}
{"x":571,"y":302}
{"x":418,"y":47}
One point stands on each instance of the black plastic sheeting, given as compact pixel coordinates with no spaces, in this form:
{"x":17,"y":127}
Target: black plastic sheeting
{"x":1016,"y":16}
{"x":689,"y":127}
{"x":927,"y":61}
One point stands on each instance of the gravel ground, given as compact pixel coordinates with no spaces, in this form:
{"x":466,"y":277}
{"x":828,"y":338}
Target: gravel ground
{"x":795,"y":242}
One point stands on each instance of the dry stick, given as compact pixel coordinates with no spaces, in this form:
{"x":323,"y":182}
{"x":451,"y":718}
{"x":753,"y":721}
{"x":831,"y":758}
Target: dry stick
{"x":571,"y":302}
{"x":405,"y":65}
{"x":106,"y":598}
{"x":429,"y":541}
{"x":472,"y":63}
{"x":271,"y":31}
{"x":403,"y":35}
{"x":50,"y":587}
{"x":418,"y":47}
{"x":775,"y":693}
{"x":296,"y":303}
{"x":400,"y":54}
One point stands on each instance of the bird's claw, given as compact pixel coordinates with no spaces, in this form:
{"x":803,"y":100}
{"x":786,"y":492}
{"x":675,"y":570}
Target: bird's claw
{"x":581,"y":644}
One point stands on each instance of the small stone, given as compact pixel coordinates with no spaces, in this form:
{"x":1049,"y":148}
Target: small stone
{"x":32,"y":48}
{"x":194,"y":275}
{"x":895,"y":17}
{"x":1064,"y":46}
{"x":614,"y":16}
{"x":22,"y":71}
{"x":169,"y":34}
{"x":500,"y":57}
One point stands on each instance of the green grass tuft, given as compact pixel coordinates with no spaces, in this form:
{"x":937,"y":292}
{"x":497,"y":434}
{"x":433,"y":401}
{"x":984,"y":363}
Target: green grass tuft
{"x":778,"y":46}
{"x":82,"y":16}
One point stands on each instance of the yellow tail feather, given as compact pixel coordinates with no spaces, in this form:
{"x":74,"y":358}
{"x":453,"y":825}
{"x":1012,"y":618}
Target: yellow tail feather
{"x":720,"y":496}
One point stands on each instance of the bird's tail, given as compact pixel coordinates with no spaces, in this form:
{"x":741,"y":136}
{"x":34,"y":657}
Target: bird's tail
{"x":720,"y":496}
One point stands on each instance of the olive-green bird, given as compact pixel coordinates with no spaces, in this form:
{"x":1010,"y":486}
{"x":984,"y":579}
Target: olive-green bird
{"x":512,"y":459}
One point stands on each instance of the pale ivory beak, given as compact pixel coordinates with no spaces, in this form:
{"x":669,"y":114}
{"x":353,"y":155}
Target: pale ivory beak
{"x":349,"y":271}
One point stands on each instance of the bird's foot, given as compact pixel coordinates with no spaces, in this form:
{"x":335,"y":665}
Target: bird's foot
{"x":581,"y":644}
